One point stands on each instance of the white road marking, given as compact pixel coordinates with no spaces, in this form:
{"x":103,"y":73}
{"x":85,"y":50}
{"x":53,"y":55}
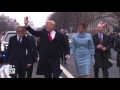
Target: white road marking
{"x":66,"y":72}
{"x":112,"y":61}
{"x":2,"y":75}
{"x":6,"y":72}
{"x":70,"y":75}
{"x":1,"y":72}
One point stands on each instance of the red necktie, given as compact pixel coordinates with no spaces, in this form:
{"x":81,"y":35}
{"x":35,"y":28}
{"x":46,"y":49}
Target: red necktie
{"x":100,"y":38}
{"x":50,"y":37}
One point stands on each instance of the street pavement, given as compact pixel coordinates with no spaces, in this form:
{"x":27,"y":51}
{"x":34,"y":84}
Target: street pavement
{"x":69,"y":70}
{"x":70,"y":67}
{"x":113,"y":71}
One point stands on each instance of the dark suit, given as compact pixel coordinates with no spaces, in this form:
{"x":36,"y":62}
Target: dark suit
{"x":63,"y":51}
{"x":101,"y":57}
{"x":34,"y":55}
{"x":49,"y":53}
{"x":16,"y":55}
{"x":117,"y":49}
{"x":38,"y":46}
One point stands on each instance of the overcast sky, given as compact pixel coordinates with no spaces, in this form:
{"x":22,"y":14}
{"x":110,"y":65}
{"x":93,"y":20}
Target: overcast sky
{"x":38,"y":18}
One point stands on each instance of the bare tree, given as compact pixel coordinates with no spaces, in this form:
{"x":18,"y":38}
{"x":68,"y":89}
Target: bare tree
{"x":116,"y":16}
{"x":7,"y":23}
{"x":69,"y":20}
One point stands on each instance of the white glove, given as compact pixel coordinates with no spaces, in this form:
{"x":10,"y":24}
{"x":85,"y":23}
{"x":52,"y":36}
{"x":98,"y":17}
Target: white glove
{"x":67,"y":57}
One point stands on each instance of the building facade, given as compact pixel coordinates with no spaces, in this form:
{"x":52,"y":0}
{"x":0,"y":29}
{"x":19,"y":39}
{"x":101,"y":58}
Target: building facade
{"x":105,"y":17}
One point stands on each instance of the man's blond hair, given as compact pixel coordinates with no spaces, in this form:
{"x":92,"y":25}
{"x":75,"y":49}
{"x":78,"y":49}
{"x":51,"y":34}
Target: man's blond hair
{"x":50,"y":21}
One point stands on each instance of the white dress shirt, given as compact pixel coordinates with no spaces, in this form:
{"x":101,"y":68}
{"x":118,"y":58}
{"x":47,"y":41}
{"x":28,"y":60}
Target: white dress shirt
{"x":21,"y":41}
{"x":18,"y":38}
{"x":53,"y":34}
{"x":101,"y":35}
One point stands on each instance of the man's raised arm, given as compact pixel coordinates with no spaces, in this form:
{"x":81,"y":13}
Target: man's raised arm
{"x":29,"y":29}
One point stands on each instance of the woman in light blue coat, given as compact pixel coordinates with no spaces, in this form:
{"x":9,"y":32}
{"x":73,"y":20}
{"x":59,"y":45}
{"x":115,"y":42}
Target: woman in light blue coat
{"x":82,"y":47}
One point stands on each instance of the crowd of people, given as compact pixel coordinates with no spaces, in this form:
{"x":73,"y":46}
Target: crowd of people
{"x":52,"y":46}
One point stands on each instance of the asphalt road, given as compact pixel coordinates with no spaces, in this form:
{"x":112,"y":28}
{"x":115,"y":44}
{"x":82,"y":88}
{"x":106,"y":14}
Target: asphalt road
{"x":113,"y":71}
{"x":69,"y":70}
{"x":70,"y":67}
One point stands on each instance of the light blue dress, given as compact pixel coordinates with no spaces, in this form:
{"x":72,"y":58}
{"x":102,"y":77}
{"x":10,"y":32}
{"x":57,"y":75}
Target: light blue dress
{"x":82,"y":47}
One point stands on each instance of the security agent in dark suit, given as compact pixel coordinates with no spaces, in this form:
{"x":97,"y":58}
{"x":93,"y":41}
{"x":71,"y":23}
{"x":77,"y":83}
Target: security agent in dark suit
{"x":34,"y":53}
{"x":19,"y":53}
{"x":102,"y":45}
{"x":117,"y":49}
{"x":49,"y":63}
{"x":38,"y":41}
{"x":62,"y":48}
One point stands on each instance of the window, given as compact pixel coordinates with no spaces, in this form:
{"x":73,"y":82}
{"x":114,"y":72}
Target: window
{"x":8,"y":36}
